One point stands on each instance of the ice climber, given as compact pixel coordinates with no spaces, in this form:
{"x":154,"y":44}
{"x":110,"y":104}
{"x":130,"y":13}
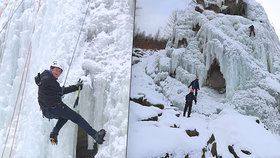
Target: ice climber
{"x":50,"y":101}
{"x":195,"y":86}
{"x":189,"y":101}
{"x":252,"y":30}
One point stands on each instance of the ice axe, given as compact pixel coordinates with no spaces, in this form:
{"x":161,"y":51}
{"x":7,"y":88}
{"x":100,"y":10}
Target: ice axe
{"x":78,"y":95}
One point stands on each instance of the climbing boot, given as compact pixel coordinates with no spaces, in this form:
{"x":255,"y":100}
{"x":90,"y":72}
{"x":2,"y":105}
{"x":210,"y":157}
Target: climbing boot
{"x":100,"y":136}
{"x":53,"y":138}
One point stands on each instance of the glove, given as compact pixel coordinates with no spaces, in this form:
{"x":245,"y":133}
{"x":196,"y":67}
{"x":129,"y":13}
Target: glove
{"x":38,"y":80}
{"x":80,"y":84}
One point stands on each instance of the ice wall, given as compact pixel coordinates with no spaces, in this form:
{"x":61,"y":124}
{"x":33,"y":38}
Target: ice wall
{"x":102,"y":60}
{"x":108,"y":61}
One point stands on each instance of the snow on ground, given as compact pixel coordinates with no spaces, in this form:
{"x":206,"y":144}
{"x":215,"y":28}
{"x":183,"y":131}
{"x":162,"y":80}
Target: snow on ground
{"x":213,"y":114}
{"x":144,"y":85}
{"x":244,"y":120}
{"x":102,"y":60}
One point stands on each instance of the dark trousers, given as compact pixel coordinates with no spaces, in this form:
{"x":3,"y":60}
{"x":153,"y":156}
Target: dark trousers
{"x":188,"y":105}
{"x":252,"y":31}
{"x":63,"y":113}
{"x":195,"y":92}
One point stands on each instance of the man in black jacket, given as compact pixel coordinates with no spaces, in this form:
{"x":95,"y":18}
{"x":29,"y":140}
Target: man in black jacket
{"x":49,"y":98}
{"x":188,"y":105}
{"x":252,"y":30}
{"x":195,"y":86}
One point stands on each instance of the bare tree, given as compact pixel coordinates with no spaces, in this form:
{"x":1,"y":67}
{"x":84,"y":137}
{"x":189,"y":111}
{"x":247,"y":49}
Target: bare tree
{"x":150,"y":41}
{"x":171,"y":25}
{"x":157,"y":35}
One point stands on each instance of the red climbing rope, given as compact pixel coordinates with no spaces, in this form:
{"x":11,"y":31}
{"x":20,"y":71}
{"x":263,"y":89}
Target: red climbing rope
{"x":7,"y":25}
{"x":6,"y":4}
{"x":22,"y":96}
{"x":23,"y":77}
{"x":21,"y":91}
{"x":9,"y":19}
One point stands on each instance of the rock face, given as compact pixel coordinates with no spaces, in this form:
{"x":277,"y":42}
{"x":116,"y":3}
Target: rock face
{"x":212,"y":142}
{"x":231,"y":7}
{"x":145,"y":102}
{"x":231,"y":150}
{"x":167,"y":155}
{"x":246,"y":152}
{"x":213,"y":7}
{"x":199,"y":9}
{"x":214,"y":151}
{"x":183,"y":43}
{"x":211,"y":139}
{"x":211,"y":147}
{"x":196,"y":27}
{"x":154,"y":118}
{"x":235,"y":8}
{"x":175,"y":126}
{"x":200,"y":2}
{"x":192,"y":133}
{"x":215,"y":78}
{"x":82,"y":150}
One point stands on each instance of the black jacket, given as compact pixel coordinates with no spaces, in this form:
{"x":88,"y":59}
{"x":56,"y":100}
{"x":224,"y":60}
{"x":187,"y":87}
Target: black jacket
{"x":252,"y":27}
{"x":50,"y":92}
{"x":190,"y":98}
{"x":194,"y":84}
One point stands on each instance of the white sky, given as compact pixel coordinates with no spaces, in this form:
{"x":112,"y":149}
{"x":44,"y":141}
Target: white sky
{"x":273,"y":12}
{"x":154,"y":13}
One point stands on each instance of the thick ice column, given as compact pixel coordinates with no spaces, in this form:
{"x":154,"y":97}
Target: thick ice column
{"x":184,"y":76}
{"x":101,"y":88}
{"x":175,"y":59}
{"x":164,"y":64}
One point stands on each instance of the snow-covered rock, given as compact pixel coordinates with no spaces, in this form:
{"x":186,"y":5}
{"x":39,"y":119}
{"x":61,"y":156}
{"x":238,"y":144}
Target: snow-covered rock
{"x":243,"y":120}
{"x":50,"y":30}
{"x":245,"y":62}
